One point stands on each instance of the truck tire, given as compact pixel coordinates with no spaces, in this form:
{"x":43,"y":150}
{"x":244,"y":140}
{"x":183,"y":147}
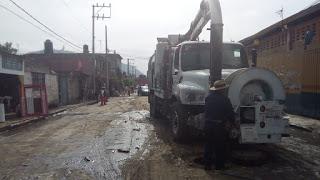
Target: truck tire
{"x":180,"y":129}
{"x":154,"y":112}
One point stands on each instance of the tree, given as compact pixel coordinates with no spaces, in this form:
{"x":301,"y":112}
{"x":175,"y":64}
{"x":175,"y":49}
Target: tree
{"x":128,"y":82}
{"x":7,"y":47}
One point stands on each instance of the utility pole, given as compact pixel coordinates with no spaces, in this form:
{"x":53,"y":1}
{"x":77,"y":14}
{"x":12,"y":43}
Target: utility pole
{"x":128,"y":68}
{"x":108,"y":85}
{"x":129,"y":71}
{"x":94,"y":16}
{"x":132,"y":69}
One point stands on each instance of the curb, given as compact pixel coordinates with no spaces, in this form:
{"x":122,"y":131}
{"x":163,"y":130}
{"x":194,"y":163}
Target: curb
{"x":14,"y":126}
{"x":39,"y":118}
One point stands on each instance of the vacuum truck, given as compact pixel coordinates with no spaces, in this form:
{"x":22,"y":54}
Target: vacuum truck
{"x":182,"y":69}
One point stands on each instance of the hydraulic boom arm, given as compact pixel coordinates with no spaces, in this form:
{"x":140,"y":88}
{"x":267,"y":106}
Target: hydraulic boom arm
{"x":209,"y":10}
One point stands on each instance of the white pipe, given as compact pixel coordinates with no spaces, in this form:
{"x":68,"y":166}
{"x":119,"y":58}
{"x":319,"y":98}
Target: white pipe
{"x":215,"y":11}
{"x":209,"y":10}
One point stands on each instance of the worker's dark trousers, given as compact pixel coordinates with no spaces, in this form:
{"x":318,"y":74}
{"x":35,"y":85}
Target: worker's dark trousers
{"x":216,"y":140}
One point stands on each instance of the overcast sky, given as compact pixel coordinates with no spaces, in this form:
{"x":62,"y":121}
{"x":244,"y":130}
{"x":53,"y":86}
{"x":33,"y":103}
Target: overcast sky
{"x":134,"y":25}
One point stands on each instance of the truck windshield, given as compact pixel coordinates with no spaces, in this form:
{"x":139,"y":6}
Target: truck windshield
{"x":197,"y":57}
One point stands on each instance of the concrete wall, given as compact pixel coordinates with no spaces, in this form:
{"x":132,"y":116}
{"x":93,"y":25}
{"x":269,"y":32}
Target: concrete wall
{"x":27,"y":78}
{"x":52,"y":89}
{"x":74,"y":89}
{"x":51,"y":81}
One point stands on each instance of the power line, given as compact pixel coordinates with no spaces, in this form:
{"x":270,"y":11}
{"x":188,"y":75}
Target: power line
{"x":52,"y":31}
{"x":26,"y":20}
{"x":135,"y":57}
{"x":66,"y":4}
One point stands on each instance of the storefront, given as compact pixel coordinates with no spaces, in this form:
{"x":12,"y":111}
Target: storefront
{"x":11,"y":81}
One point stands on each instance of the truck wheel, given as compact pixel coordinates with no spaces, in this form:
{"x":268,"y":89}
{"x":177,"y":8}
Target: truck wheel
{"x":179,"y":123}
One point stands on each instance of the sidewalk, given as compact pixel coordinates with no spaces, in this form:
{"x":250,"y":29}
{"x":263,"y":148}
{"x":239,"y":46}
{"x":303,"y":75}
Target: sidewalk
{"x":18,"y":122}
{"x":304,"y":123}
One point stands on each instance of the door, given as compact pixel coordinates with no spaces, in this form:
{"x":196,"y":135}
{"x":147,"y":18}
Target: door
{"x":36,"y":100}
{"x":175,"y":70}
{"x":63,"y":89}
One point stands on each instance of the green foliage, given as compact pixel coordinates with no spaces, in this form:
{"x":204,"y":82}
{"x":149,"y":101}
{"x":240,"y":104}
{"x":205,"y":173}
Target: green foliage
{"x":128,"y":82}
{"x":7,"y":47}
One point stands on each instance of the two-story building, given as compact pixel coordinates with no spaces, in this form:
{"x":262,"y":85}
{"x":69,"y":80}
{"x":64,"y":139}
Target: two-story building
{"x":67,"y":76}
{"x":11,"y":83}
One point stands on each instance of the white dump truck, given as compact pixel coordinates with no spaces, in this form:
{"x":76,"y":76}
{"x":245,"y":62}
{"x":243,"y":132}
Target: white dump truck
{"x":182,"y":68}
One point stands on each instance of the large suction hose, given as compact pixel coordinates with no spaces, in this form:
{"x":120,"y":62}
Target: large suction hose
{"x":209,"y":10}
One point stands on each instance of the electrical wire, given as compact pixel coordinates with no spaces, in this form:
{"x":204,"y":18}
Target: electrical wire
{"x":29,"y":22}
{"x":49,"y":29}
{"x":65,"y":3}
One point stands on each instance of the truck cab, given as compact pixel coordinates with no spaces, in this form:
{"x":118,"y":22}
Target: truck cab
{"x":191,"y":63}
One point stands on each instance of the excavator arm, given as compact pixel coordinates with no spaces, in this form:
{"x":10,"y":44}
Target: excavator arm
{"x":209,"y":10}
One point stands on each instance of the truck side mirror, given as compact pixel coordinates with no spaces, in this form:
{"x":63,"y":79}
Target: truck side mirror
{"x":254,"y":57}
{"x":176,"y":71}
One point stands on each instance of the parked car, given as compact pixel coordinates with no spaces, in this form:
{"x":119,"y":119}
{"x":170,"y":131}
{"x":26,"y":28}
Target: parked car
{"x":143,"y":91}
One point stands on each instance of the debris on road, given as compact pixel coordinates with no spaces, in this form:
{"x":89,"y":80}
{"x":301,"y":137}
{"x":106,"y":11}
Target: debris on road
{"x":123,"y":150}
{"x":86,"y":159}
{"x":136,"y":129}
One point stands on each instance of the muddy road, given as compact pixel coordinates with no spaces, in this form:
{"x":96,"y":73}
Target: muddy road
{"x":120,"y":141}
{"x":89,"y":142}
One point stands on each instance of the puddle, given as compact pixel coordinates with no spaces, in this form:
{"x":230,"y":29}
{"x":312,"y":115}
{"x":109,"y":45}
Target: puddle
{"x":127,"y":132}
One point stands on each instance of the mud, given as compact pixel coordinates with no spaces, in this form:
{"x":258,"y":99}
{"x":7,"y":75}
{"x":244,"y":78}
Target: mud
{"x":120,"y":141}
{"x":77,"y":144}
{"x":297,"y":157}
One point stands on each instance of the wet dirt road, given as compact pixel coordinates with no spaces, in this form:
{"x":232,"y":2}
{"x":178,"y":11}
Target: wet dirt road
{"x":119,"y":141}
{"x":78,"y":144}
{"x":297,"y":157}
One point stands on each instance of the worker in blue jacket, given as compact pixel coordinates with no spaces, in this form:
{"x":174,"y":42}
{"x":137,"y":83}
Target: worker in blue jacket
{"x":219,"y":114}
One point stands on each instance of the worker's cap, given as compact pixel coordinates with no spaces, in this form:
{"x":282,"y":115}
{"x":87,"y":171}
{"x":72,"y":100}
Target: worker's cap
{"x":219,"y":85}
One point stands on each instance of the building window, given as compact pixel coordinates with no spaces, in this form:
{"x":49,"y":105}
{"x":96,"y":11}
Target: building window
{"x":284,"y":38}
{"x":292,"y":36}
{"x":12,"y":64}
{"x":303,"y":31}
{"x":278,"y":40}
{"x":38,"y":78}
{"x":272,"y":43}
{"x":297,"y":35}
{"x":268,"y":45}
{"x":314,"y":29}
